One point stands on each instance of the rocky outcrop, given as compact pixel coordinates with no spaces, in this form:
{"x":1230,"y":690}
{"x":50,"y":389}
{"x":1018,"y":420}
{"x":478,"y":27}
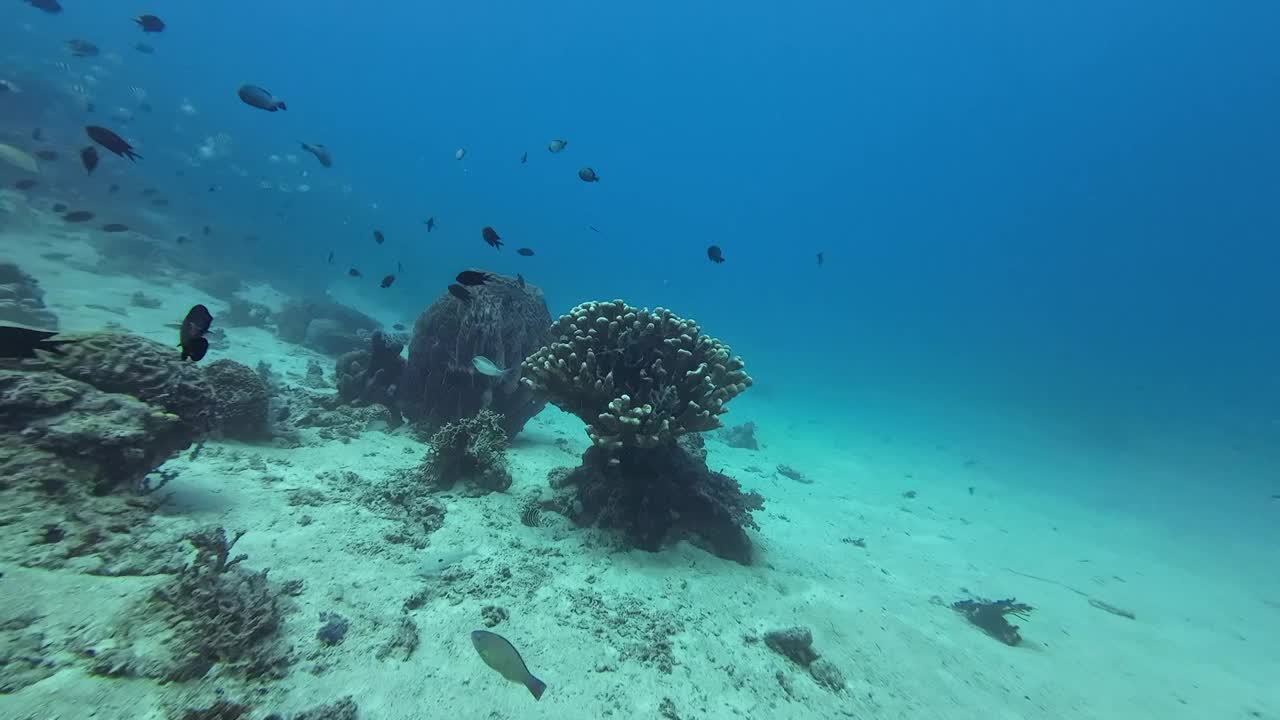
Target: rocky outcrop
{"x":242,"y":400}
{"x":324,"y":325}
{"x":371,"y":375}
{"x":22,"y":300}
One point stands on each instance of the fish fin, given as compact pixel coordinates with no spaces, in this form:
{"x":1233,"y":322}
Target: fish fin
{"x":282,"y":106}
{"x":536,"y":686}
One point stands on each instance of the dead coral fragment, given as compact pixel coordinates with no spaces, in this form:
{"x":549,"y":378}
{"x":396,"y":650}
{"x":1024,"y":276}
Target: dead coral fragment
{"x":471,"y":449}
{"x":637,"y":377}
{"x":989,"y":615}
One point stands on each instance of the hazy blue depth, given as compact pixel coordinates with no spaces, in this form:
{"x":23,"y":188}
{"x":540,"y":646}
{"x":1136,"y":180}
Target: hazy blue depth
{"x":1070,"y":209}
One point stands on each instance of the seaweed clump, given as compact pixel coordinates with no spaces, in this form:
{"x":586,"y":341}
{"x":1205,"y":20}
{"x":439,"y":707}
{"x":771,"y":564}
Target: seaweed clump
{"x":990,"y":616}
{"x":646,"y":383}
{"x":473,"y":450}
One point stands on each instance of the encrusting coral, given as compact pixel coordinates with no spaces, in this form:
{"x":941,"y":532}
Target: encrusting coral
{"x":472,"y":450}
{"x":645,"y":382}
{"x":242,"y":400}
{"x":637,"y":377}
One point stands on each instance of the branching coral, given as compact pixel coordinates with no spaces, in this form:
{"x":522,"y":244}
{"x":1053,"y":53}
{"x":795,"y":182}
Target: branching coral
{"x":637,"y":377}
{"x":472,"y":449}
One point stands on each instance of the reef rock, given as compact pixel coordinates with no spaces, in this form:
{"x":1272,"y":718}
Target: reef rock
{"x":22,"y":300}
{"x":324,"y":325}
{"x":505,"y":323}
{"x":242,"y":400}
{"x":371,"y":376}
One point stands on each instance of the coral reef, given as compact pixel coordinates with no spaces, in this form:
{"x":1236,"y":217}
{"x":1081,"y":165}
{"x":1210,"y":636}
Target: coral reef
{"x":371,"y":376}
{"x":645,"y":383}
{"x":636,"y":377}
{"x":503,"y":322}
{"x":242,"y":313}
{"x":22,"y":300}
{"x":989,"y":615}
{"x":213,"y":613}
{"x":242,"y":400}
{"x":324,"y":325}
{"x":472,"y":450}
{"x":656,"y":497}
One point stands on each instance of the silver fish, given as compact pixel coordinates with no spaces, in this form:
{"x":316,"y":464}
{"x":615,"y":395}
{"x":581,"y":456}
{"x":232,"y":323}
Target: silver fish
{"x":502,"y":656}
{"x":485,"y":366}
{"x":556,"y":146}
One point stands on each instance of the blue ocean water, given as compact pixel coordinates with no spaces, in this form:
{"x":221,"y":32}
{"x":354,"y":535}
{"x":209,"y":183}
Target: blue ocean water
{"x":1053,"y":220}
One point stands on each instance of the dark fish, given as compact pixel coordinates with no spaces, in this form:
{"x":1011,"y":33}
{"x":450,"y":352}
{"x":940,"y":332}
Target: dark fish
{"x":588,"y":175}
{"x":182,"y":238}
{"x":498,"y":653}
{"x":213,"y":188}
{"x":160,"y":202}
{"x":37,"y":134}
{"x":149,"y":23}
{"x":593,"y":228}
{"x":473,"y":277}
{"x":59,"y":207}
{"x":431,"y":223}
{"x":524,"y":158}
{"x":399,"y":267}
{"x":22,"y":343}
{"x":398,"y":326}
{"x":527,"y":252}
{"x":113,"y":189}
{"x":90,"y":107}
{"x":191,"y":336}
{"x":460,"y":292}
{"x":53,"y":7}
{"x":330,"y":257}
{"x":378,"y":237}
{"x":115,"y":228}
{"x":260,"y":98}
{"x":491,"y":237}
{"x":819,"y":259}
{"x":714,"y":254}
{"x":76,"y":216}
{"x":111,"y":141}
{"x":47,"y":154}
{"x":207,"y":230}
{"x":148,"y":192}
{"x":321,"y":152}
{"x":386,"y":281}
{"x":25,"y":184}
{"x":144,"y":48}
{"x":82,"y":48}
{"x":89,"y":158}
{"x":353,"y":272}
{"x":520,"y":280}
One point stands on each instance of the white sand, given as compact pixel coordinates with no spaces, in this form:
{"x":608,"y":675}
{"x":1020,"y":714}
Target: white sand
{"x":1203,"y":644}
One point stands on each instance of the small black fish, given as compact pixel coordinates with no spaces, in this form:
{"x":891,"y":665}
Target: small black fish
{"x":207,"y":230}
{"x":473,"y":277}
{"x":115,"y":228}
{"x":491,"y":237}
{"x":89,"y":158}
{"x":148,"y":192}
{"x":588,"y":175}
{"x":25,"y":184}
{"x":53,"y":7}
{"x":37,"y":134}
{"x":520,"y":280}
{"x":386,"y":281}
{"x":431,"y":223}
{"x":181,"y":239}
{"x":22,"y":343}
{"x":460,"y":292}
{"x":260,"y":98}
{"x":76,"y":216}
{"x":113,"y":189}
{"x":819,"y":259}
{"x":191,"y":336}
{"x":321,"y":152}
{"x":353,"y":272}
{"x":82,"y":48}
{"x":524,"y":158}
{"x":50,"y":155}
{"x":594,"y":228}
{"x":111,"y":141}
{"x":59,"y":207}
{"x":378,"y":237}
{"x":213,"y":188}
{"x":160,"y":202}
{"x":330,"y":257}
{"x":399,"y":267}
{"x":150,"y":23}
{"x":90,"y":107}
{"x":398,"y":326}
{"x":714,"y":254}
{"x":143,"y":48}
{"x":526,"y":252}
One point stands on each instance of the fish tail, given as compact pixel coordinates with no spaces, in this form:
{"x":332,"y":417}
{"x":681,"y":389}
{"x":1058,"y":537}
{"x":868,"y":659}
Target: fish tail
{"x":282,"y":106}
{"x":536,"y":686}
{"x":132,"y":155}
